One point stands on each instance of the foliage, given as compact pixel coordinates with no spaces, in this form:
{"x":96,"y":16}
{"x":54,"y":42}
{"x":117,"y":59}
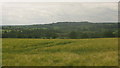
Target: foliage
{"x":62,"y":30}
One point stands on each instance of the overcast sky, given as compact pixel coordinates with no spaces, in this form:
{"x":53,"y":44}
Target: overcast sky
{"x":44,"y":13}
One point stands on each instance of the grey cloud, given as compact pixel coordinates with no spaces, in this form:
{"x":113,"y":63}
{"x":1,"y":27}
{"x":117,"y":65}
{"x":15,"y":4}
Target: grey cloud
{"x":42,"y":13}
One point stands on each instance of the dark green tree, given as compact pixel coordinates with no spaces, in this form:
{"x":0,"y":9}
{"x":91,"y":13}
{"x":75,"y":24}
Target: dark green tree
{"x":73,"y":35}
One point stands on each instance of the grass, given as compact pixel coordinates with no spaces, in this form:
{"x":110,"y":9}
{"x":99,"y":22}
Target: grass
{"x":60,"y":52}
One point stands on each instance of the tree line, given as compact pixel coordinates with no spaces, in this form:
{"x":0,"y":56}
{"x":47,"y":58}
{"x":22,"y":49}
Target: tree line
{"x":53,"y":34}
{"x":64,"y":30}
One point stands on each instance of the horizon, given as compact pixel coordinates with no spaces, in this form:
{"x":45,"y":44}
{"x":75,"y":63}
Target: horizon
{"x":53,"y":23}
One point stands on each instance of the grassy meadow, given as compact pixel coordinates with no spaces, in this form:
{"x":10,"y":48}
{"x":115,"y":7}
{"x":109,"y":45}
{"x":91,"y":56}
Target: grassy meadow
{"x":60,"y":52}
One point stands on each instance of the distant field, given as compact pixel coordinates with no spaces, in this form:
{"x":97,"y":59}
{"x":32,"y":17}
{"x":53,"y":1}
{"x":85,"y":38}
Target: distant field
{"x":60,"y":52}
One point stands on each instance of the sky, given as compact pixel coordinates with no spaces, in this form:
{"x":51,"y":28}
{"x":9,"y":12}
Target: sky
{"x":27,"y":13}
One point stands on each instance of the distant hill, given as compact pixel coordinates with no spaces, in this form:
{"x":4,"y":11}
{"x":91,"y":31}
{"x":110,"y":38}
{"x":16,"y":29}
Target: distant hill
{"x":64,"y":28}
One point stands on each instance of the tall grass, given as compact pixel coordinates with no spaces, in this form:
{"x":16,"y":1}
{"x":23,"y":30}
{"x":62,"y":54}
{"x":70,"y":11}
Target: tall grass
{"x":60,"y":52}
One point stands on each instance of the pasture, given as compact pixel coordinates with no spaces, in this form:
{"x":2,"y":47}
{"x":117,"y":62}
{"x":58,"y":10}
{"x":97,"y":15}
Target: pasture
{"x":60,"y":52}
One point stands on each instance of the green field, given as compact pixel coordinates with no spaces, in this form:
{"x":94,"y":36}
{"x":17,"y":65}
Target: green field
{"x":60,"y":52}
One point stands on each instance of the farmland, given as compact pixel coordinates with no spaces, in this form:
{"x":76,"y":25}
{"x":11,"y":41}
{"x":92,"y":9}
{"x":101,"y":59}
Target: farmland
{"x":60,"y":52}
